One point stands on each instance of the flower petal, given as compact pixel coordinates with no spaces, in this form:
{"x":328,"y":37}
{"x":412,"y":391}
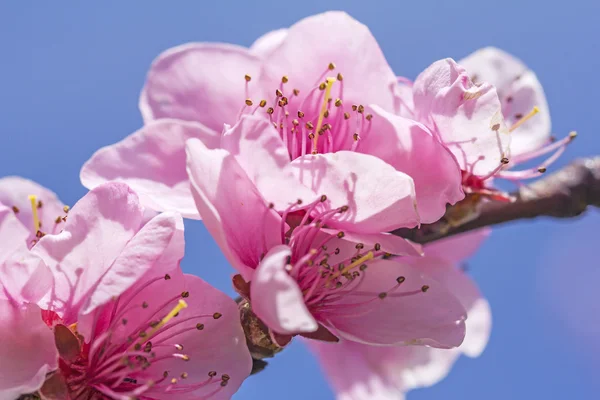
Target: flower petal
{"x":152,"y":162}
{"x":259,"y":150}
{"x":276,"y":297}
{"x":357,"y":371}
{"x":410,"y":148}
{"x":27,"y":350}
{"x":467,"y":117}
{"x":231,"y":208}
{"x":15,"y":191}
{"x":201,"y":82}
{"x":25,"y":277}
{"x":335,"y":37}
{"x":13,"y":235}
{"x":138,"y":257}
{"x":457,"y":249}
{"x":98,"y":228}
{"x":264,"y":45}
{"x":407,"y":315}
{"x":519,"y":90}
{"x":379,"y":197}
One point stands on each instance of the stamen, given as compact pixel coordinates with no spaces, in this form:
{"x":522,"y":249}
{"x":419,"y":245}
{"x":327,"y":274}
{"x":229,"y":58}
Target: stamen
{"x":34,"y":208}
{"x":328,"y":84}
{"x":180,"y":306}
{"x":366,"y":257}
{"x":524,"y":119}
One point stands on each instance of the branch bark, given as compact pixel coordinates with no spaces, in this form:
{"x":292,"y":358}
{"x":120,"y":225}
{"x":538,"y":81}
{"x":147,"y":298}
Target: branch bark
{"x":563,"y":194}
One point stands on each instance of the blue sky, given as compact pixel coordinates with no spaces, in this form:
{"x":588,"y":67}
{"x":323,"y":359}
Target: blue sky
{"x":70,"y":79}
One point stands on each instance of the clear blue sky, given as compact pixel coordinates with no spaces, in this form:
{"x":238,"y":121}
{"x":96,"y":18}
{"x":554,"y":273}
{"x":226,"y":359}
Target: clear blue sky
{"x":70,"y":77}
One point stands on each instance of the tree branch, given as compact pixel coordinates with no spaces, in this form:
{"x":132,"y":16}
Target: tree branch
{"x":564,"y":194}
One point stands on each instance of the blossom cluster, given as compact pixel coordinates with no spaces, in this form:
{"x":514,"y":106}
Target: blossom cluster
{"x":300,"y":155}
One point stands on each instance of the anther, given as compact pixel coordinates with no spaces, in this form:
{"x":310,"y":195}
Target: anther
{"x":340,"y":77}
{"x":58,"y":220}
{"x":346,"y":115}
{"x":179,"y":347}
{"x":185,"y":357}
{"x":247,"y":77}
{"x":249,"y":102}
{"x":326,"y":114}
{"x":504,"y":160}
{"x":40,"y":204}
{"x":424,"y":288}
{"x":400,"y":279}
{"x":271,"y":206}
{"x":66,"y":209}
{"x":572,"y":135}
{"x":338,"y":102}
{"x":300,"y":114}
{"x":167,"y":277}
{"x":225,"y":377}
{"x":331,"y":66}
{"x":338,"y":285}
{"x":217,"y":315}
{"x":354,"y":107}
{"x":284,"y":79}
{"x":363,"y":267}
{"x":361,"y":108}
{"x":278,"y":93}
{"x":344,"y":208}
{"x":355,"y":137}
{"x":124,"y":321}
{"x":359,"y":246}
{"x":542,"y":170}
{"x":199,"y":326}
{"x":16,"y":209}
{"x":323,"y":198}
{"x":295,"y":122}
{"x":309,"y":125}
{"x":212,"y":374}
{"x":184,"y":375}
{"x":369,"y":117}
{"x":495,"y":127}
{"x":173,"y":381}
{"x":144,"y":305}
{"x":262,"y":103}
{"x":270,"y":110}
{"x":185,"y":294}
{"x":223,"y":383}
{"x":340,"y":234}
{"x":322,"y":86}
{"x":377,"y":247}
{"x":296,"y":92}
{"x":382,"y":295}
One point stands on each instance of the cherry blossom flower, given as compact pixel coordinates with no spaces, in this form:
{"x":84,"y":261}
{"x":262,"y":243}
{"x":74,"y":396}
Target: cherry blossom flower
{"x":119,"y":319}
{"x":306,"y":278}
{"x":341,"y":107}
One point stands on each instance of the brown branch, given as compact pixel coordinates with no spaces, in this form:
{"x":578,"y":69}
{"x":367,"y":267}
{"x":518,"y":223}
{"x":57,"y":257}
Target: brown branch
{"x":563,"y":194}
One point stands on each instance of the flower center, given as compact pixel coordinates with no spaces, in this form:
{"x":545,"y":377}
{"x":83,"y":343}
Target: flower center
{"x":315,"y":122}
{"x":134,"y":350}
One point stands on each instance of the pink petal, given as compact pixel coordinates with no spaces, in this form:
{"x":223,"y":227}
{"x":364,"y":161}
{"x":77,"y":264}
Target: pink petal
{"x":152,"y":162}
{"x":357,"y":371}
{"x":335,"y":37}
{"x":403,"y":96}
{"x":479,"y":322}
{"x":138,"y":257}
{"x":433,"y":318}
{"x":259,"y":150}
{"x":231,"y":208}
{"x":97,"y":230}
{"x":379,"y":197}
{"x":201,"y":82}
{"x":27,"y":352}
{"x":457,"y":249}
{"x":25,"y":277}
{"x":276,"y":298}
{"x":264,"y":45}
{"x":467,"y":117}
{"x":13,"y":235}
{"x":15,"y":191}
{"x":519,"y":90}
{"x":410,"y":148}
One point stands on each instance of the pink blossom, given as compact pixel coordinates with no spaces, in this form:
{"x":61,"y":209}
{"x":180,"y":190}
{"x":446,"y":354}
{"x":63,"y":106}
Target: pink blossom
{"x":110,"y":319}
{"x":293,"y":107}
{"x":489,"y":110}
{"x":306,"y":278}
{"x":358,"y":371}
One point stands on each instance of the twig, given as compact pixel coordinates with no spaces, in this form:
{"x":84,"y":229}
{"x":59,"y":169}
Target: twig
{"x":564,"y":194}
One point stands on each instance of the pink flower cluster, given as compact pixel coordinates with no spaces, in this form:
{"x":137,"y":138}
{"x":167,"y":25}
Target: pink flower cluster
{"x":300,"y":155}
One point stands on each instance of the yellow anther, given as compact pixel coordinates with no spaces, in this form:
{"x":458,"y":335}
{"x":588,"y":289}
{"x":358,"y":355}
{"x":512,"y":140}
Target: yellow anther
{"x":36,"y":218}
{"x":329,"y":83}
{"x":524,"y":119}
{"x":180,"y":306}
{"x":363,"y":259}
